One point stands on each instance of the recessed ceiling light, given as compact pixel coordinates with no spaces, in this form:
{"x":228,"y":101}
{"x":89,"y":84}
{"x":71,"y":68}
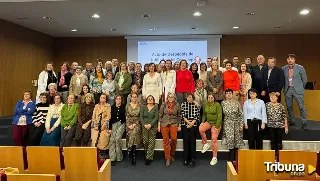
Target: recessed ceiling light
{"x":22,"y":17}
{"x":304,"y":12}
{"x":95,"y":16}
{"x":153,"y":29}
{"x":146,"y":16}
{"x":74,"y":30}
{"x":47,"y":17}
{"x":277,"y":27}
{"x":194,"y":28}
{"x":236,"y":27}
{"x":113,"y":29}
{"x":250,"y":14}
{"x":197,"y":14}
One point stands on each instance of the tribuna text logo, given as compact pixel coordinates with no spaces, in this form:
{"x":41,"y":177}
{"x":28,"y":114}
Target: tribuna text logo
{"x":294,"y":169}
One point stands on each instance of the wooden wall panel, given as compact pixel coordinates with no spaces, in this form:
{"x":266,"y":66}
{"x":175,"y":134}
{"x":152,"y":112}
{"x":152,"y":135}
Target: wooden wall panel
{"x":23,"y":54}
{"x":305,"y":47}
{"x":84,"y":50}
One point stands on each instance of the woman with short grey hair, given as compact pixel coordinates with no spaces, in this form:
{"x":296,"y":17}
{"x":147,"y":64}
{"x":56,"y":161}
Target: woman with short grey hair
{"x":77,"y":81}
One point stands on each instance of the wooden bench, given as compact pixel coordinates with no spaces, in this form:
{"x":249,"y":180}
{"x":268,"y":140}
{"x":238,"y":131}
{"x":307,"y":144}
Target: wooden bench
{"x":84,"y":164}
{"x":13,"y":156}
{"x":32,"y":177}
{"x":297,"y":157}
{"x":250,"y":166}
{"x":45,"y":160}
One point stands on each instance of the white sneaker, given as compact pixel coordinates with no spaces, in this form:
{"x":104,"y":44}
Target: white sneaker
{"x":214,"y":161}
{"x":205,"y":148}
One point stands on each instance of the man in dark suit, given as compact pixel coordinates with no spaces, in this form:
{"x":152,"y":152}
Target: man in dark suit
{"x":115,"y":67}
{"x":256,"y":74}
{"x":272,"y":80}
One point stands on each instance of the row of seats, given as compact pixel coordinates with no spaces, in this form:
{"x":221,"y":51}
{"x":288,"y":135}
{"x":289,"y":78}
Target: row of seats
{"x":68,"y":164}
{"x":250,"y":165}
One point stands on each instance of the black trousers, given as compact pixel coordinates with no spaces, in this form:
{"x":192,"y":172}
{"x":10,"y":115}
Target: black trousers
{"x":189,"y":142}
{"x":276,"y":135}
{"x":255,"y":134}
{"x":35,"y":135}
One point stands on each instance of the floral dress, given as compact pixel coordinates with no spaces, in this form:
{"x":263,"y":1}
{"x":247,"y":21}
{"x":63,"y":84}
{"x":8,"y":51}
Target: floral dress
{"x":233,"y":120}
{"x":133,"y":136}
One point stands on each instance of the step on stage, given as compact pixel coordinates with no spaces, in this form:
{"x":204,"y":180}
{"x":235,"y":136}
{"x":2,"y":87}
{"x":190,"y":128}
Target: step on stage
{"x":297,"y":138}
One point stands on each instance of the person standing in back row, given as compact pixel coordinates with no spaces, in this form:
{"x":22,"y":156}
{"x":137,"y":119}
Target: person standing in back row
{"x":295,"y":81}
{"x":256,"y":74}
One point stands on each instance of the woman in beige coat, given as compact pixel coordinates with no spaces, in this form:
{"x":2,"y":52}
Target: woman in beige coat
{"x":100,"y":130}
{"x":78,"y":80}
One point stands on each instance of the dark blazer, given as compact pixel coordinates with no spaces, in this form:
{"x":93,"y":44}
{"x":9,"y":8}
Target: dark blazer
{"x":117,"y":114}
{"x":256,"y":75}
{"x":275,"y":82}
{"x":115,"y":73}
{"x":67,"y":79}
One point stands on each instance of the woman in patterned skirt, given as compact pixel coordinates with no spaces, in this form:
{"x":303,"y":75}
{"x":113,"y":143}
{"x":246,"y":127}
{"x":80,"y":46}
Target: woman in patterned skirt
{"x":233,"y":124}
{"x":133,"y":127}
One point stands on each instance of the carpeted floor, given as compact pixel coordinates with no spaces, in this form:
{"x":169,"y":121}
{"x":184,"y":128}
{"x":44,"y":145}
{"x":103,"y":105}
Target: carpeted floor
{"x":157,"y":171}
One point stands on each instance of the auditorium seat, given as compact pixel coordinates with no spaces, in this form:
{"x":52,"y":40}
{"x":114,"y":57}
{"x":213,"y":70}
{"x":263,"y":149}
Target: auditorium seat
{"x":45,"y":160}
{"x":13,"y":156}
{"x":83,"y":164}
{"x":253,"y":169}
{"x":32,"y":177}
{"x":297,"y":157}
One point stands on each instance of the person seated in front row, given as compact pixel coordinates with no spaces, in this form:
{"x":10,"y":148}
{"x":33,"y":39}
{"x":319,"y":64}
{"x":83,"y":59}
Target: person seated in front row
{"x":38,"y":121}
{"x":52,"y":133}
{"x":69,"y":116}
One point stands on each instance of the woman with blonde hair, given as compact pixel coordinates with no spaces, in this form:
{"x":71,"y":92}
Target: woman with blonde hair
{"x":215,"y":81}
{"x":46,"y":77}
{"x":169,"y":80}
{"x":83,"y":131}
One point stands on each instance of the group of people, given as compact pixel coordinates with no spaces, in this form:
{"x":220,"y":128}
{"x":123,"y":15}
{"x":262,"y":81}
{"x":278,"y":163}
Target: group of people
{"x":104,"y":102}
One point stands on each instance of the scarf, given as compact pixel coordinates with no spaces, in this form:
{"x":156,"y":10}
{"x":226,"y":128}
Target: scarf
{"x":99,"y":77}
{"x":78,"y":79}
{"x":62,"y":79}
{"x":170,"y":107}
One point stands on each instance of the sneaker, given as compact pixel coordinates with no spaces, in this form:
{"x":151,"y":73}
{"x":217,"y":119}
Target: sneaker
{"x":205,"y":148}
{"x":214,"y":161}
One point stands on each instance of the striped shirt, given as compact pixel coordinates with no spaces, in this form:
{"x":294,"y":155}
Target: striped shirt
{"x":41,"y":113}
{"x":190,"y":111}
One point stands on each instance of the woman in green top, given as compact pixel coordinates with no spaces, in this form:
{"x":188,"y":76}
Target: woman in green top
{"x":211,"y":119}
{"x":149,"y":118}
{"x":122,"y":82}
{"x":69,"y":116}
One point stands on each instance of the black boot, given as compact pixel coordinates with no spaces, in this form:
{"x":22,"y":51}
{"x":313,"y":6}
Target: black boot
{"x":129,"y":153}
{"x":133,"y":155}
{"x":235,"y":154}
{"x":231,"y":155}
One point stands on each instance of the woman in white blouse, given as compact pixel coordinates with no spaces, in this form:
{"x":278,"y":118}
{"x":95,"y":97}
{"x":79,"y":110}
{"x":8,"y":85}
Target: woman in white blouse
{"x":168,"y":80}
{"x":152,"y":84}
{"x":45,"y":78}
{"x":52,"y":132}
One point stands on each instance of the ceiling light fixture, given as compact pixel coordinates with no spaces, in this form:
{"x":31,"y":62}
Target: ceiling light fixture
{"x":22,"y":18}
{"x":145,"y":16}
{"x":47,"y":17}
{"x":201,"y":3}
{"x":153,"y":29}
{"x":74,"y":30}
{"x":277,"y":27}
{"x":194,"y":28}
{"x":95,"y":16}
{"x":197,"y":14}
{"x":236,"y":27}
{"x":250,"y":14}
{"x":304,"y":12}
{"x":113,"y":29}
